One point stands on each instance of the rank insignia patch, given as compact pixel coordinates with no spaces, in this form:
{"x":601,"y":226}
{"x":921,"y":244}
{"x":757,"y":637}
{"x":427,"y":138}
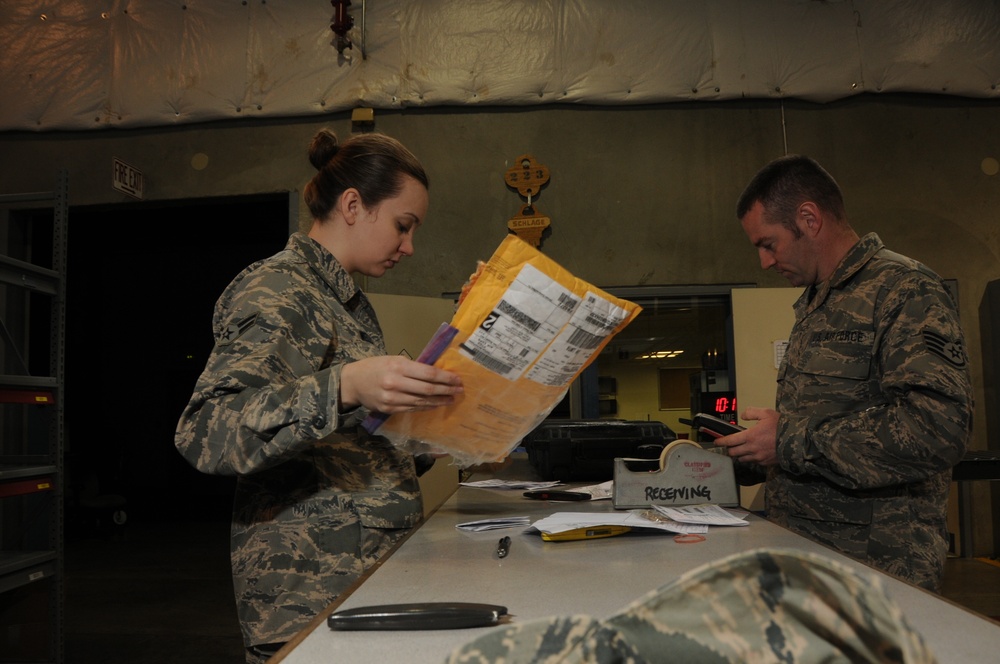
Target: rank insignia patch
{"x":950,"y":351}
{"x":235,"y":330}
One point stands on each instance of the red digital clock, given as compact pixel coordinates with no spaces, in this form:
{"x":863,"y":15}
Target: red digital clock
{"x":724,"y":406}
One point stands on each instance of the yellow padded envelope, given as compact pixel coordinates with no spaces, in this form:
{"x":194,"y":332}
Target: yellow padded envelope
{"x":522,"y":334}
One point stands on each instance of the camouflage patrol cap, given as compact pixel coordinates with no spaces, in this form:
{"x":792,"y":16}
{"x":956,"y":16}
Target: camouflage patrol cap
{"x":763,"y":605}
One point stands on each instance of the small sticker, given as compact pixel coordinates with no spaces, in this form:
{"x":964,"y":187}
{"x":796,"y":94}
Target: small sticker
{"x":780,"y":347}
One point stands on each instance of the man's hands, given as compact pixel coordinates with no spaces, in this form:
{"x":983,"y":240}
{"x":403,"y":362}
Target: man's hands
{"x":394,"y":384}
{"x":755,"y":444}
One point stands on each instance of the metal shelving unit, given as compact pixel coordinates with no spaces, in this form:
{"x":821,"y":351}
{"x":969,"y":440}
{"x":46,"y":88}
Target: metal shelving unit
{"x":32,"y":329}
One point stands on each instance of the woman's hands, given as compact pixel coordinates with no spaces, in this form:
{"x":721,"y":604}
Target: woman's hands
{"x":393,"y":384}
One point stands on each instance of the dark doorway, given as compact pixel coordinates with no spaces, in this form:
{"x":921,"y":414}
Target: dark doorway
{"x":142,"y":280}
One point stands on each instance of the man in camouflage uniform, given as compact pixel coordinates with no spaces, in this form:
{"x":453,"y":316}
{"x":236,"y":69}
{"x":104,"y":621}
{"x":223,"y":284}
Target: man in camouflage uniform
{"x":874,"y":403}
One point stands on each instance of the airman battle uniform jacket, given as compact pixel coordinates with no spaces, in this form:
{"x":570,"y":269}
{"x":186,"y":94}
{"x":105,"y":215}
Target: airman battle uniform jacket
{"x":875,"y":407}
{"x":318,"y":500}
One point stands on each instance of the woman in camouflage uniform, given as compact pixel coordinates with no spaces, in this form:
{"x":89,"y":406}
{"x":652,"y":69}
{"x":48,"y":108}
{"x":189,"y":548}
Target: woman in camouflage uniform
{"x":299,"y":361}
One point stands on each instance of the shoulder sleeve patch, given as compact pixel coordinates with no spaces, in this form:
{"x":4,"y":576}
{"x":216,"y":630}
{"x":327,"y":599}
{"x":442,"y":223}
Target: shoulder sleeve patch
{"x":950,"y":351}
{"x":236,"y":329}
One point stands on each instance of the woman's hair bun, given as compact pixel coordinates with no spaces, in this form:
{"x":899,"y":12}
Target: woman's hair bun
{"x":323,"y":148}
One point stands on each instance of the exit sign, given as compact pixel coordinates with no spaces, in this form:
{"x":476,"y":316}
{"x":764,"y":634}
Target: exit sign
{"x":126,"y":179}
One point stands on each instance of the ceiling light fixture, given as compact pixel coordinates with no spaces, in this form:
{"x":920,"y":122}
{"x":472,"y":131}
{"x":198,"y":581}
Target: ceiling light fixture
{"x":659,"y":355}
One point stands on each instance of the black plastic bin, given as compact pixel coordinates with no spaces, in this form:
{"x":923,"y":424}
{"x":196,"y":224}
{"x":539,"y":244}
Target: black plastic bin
{"x":576,"y":450}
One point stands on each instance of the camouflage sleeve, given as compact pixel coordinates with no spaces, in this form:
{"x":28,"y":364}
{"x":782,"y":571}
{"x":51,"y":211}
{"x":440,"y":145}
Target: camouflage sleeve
{"x":919,"y":418}
{"x":264,"y":393}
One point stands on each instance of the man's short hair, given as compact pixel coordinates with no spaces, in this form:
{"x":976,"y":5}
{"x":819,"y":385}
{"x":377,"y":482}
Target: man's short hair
{"x":787,"y":182}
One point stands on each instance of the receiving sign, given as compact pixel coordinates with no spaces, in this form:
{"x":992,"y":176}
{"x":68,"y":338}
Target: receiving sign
{"x":687,"y":475}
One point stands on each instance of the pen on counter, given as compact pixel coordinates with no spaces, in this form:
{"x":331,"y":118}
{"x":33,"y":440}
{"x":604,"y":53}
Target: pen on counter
{"x":503,"y":547}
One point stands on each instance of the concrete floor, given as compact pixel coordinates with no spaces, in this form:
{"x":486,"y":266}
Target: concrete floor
{"x":160,"y":592}
{"x":974,"y":584}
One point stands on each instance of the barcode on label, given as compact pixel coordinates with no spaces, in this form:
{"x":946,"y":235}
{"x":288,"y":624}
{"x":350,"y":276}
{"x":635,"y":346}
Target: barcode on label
{"x":566,"y":302}
{"x":491,"y":363}
{"x":583,"y":339}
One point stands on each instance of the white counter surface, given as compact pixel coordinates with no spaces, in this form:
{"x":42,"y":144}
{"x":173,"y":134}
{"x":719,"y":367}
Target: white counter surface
{"x":440,"y":563}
